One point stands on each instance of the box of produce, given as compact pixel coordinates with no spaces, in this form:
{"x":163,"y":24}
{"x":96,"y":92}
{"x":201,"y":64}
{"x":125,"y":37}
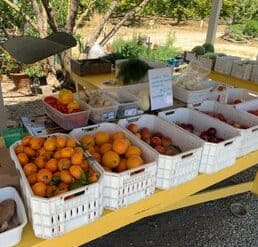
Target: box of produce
{"x":246,"y":124}
{"x":90,"y":66}
{"x":66,"y":109}
{"x":102,"y":106}
{"x":129,"y":165}
{"x":250,"y":106}
{"x":128,"y":103}
{"x":179,"y":153}
{"x":222,"y":141}
{"x":61,"y":187}
{"x":224,"y":64}
{"x":12,"y":217}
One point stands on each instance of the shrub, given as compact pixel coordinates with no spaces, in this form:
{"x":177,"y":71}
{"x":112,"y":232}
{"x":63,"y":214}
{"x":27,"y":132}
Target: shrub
{"x":251,"y":28}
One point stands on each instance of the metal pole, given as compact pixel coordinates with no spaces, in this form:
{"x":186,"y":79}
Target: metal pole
{"x":213,"y":21}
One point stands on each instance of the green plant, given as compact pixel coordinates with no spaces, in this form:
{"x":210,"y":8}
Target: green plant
{"x":34,"y":71}
{"x":251,"y":28}
{"x":14,"y":66}
{"x":208,"y":47}
{"x":198,"y":50}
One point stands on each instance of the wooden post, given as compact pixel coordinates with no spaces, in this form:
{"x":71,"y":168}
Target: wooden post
{"x":213,"y":21}
{"x":3,"y":114}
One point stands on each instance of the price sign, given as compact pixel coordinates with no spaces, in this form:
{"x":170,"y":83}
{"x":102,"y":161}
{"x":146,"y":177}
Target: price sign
{"x":160,"y":85}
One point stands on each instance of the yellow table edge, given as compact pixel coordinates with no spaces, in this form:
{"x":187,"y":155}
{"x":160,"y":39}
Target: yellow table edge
{"x":178,"y":197}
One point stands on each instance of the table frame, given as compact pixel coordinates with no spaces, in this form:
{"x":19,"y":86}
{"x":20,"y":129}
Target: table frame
{"x":162,"y":201}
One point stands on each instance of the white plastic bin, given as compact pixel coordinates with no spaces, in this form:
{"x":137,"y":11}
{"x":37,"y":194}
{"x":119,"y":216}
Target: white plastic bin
{"x":172,"y":170}
{"x":13,"y":236}
{"x":71,"y":120}
{"x":60,"y":214}
{"x":249,"y":141}
{"x":224,"y":64}
{"x":242,"y":69}
{"x":215,"y":156}
{"x":122,"y":189}
{"x":248,"y":106}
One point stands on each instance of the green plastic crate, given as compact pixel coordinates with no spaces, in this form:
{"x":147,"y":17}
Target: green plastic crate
{"x":11,"y":135}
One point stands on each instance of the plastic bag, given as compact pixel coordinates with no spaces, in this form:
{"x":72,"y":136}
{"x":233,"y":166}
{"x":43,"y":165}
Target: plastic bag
{"x":96,"y":51}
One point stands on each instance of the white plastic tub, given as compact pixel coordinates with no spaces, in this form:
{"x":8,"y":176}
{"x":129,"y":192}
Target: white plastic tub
{"x":224,"y":64}
{"x":215,"y":156}
{"x":60,"y":214}
{"x":172,"y":170}
{"x":249,"y":142}
{"x":122,"y":189}
{"x":71,"y":120}
{"x":13,"y":236}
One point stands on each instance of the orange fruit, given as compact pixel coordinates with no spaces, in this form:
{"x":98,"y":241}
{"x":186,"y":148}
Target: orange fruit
{"x":32,"y":178}
{"x":91,"y":150}
{"x":133,"y":150}
{"x":52,"y":165}
{"x":50,"y":190}
{"x":42,"y":151}
{"x":29,"y":151}
{"x":26,"y":140}
{"x":76,"y":159}
{"x":66,"y":177}
{"x":85,"y":165}
{"x":87,"y":141}
{"x":120,"y":146}
{"x":102,"y":137}
{"x":93,"y":177}
{"x":134,"y":161}
{"x":44,"y":176}
{"x":36,"y":142}
{"x":63,"y":164}
{"x":105,"y":147}
{"x":110,"y":159}
{"x":97,"y":157}
{"x":57,"y":155}
{"x":96,"y":148}
{"x":63,"y":185}
{"x":121,"y":166}
{"x":71,"y":143}
{"x":60,"y":191}
{"x":29,"y":169}
{"x":65,"y":96}
{"x":56,"y":174}
{"x":39,"y":189}
{"x":41,"y":161}
{"x":118,"y":135}
{"x":61,"y":141}
{"x":23,"y":158}
{"x":19,"y":149}
{"x":50,"y":144}
{"x":66,"y":152}
{"x":78,"y":150}
{"x":107,"y":169}
{"x":76,"y":171}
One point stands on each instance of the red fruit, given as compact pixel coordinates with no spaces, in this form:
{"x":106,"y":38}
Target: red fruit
{"x":221,"y":117}
{"x":237,"y":101}
{"x":166,"y":141}
{"x":204,"y":136}
{"x":50,"y":100}
{"x":155,"y":141}
{"x":160,"y":149}
{"x":133,"y":128}
{"x":145,"y":133}
{"x":62,"y":108}
{"x":158,"y":134}
{"x":211,"y":132}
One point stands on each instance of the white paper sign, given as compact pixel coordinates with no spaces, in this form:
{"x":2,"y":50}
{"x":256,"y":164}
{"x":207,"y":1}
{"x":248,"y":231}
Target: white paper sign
{"x":160,"y":85}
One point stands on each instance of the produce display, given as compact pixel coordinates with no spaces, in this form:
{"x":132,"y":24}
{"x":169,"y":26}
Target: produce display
{"x":8,"y":216}
{"x":223,"y":119}
{"x":54,"y":165}
{"x":96,"y":99}
{"x":159,"y":142}
{"x":208,"y":135}
{"x":114,"y":152}
{"x":65,"y":102}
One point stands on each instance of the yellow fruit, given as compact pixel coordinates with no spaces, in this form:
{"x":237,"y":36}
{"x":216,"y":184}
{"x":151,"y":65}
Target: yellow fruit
{"x":102,"y":137}
{"x":133,"y":150}
{"x":120,"y":146}
{"x":73,"y":106}
{"x":87,"y":141}
{"x":39,"y":189}
{"x":110,"y":159}
{"x":65,"y":96}
{"x":134,"y":161}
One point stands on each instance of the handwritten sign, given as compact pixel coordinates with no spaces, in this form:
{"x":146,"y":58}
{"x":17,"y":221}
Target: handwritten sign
{"x":160,"y":85}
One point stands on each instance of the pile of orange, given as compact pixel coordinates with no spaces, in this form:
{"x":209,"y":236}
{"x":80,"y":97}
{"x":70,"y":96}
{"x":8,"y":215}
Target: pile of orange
{"x":113,"y":151}
{"x":54,"y":165}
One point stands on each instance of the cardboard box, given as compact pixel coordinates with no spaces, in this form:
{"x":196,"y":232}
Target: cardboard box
{"x":9,"y":176}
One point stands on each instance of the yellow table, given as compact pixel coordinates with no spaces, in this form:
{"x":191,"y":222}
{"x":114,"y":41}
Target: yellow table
{"x":162,"y":201}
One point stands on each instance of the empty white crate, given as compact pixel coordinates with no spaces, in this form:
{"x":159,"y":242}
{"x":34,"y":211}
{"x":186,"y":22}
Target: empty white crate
{"x":122,"y":189}
{"x":242,"y":69}
{"x":254,"y":73}
{"x":172,"y":170}
{"x":249,"y":142}
{"x":52,"y":217}
{"x":13,"y":236}
{"x":224,"y":64}
{"x":215,"y":156}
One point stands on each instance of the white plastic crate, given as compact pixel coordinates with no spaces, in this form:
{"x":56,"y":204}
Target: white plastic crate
{"x":60,"y":214}
{"x":71,"y":120}
{"x":206,"y":62}
{"x":13,"y":236}
{"x":240,"y":93}
{"x":122,"y":189}
{"x":224,"y":64}
{"x":215,"y":156}
{"x":128,"y":103}
{"x":251,"y":105}
{"x":242,"y":70}
{"x":254,"y":73}
{"x":249,"y":142}
{"x":172,"y":170}
{"x":190,"y":56}
{"x":192,"y":97}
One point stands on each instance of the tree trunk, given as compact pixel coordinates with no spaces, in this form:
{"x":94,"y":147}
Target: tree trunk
{"x":129,"y":14}
{"x":71,"y":16}
{"x":50,"y":15}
